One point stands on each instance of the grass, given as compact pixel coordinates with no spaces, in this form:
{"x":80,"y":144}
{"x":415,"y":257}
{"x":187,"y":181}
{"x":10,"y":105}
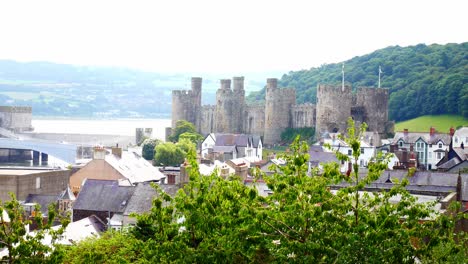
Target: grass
{"x":442,"y":123}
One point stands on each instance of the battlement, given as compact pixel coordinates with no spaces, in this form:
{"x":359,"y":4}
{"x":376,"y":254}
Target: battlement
{"x":272,"y":83}
{"x":225,"y":84}
{"x":303,"y":107}
{"x":238,"y":83}
{"x":196,"y":84}
{"x":372,"y":91}
{"x":16,"y":109}
{"x":333,"y":89}
{"x":181,"y":92}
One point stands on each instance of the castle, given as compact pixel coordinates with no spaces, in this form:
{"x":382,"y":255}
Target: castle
{"x":232,"y":114}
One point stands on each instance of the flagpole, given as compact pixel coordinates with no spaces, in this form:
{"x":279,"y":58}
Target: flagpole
{"x":342,"y":81}
{"x":380,"y":71}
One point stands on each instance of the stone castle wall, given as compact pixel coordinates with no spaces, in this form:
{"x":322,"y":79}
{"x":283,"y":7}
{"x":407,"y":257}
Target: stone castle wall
{"x":186,"y":104}
{"x":303,"y":115}
{"x":231,"y":114}
{"x":375,"y":104}
{"x":333,"y":108}
{"x":16,"y":118}
{"x":255,"y":121}
{"x":278,"y":103}
{"x":208,"y":119}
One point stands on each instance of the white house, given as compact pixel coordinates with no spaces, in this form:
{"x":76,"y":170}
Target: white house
{"x":232,"y":146}
{"x":430,"y":147}
{"x":460,"y":137}
{"x":367,"y":151}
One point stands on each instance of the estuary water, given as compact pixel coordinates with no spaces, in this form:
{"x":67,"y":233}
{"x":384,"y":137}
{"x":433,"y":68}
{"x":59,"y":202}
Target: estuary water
{"x":123,"y":127}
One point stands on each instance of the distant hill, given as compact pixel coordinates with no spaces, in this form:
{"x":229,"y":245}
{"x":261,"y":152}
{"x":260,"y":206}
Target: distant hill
{"x":100,"y":92}
{"x":423,"y":80}
{"x":441,"y":123}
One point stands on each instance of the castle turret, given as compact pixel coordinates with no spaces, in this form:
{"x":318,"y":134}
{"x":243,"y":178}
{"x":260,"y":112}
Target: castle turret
{"x":333,"y":108}
{"x":278,"y":103}
{"x":186,"y":104}
{"x":374,"y":103}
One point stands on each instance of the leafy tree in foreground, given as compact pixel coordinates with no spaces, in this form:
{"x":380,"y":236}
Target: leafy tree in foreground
{"x":24,"y":247}
{"x":216,"y":220}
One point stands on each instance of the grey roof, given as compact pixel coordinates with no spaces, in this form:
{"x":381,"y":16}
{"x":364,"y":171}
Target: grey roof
{"x":41,"y":199}
{"x":449,"y":164}
{"x":224,"y":149}
{"x":318,"y":155}
{"x":422,"y":182}
{"x":461,"y":153}
{"x":67,"y":194}
{"x":141,"y":200}
{"x":412,"y":137}
{"x":103,"y":195}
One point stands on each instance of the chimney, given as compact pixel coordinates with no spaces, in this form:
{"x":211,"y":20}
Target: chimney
{"x":117,"y":151}
{"x":99,"y":153}
{"x":432,"y":131}
{"x":405,"y":132}
{"x":452,"y":131}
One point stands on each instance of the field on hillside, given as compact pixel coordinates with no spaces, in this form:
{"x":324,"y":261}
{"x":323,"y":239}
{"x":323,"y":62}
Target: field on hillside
{"x":442,"y":123}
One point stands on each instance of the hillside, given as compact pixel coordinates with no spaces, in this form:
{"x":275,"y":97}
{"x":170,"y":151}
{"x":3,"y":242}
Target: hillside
{"x":96,"y":92}
{"x":423,"y":80}
{"x":442,"y":123}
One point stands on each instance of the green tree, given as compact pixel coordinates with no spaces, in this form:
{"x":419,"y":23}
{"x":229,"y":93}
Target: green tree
{"x":182,"y":127}
{"x":149,"y":147}
{"x":169,"y":154}
{"x":24,"y":247}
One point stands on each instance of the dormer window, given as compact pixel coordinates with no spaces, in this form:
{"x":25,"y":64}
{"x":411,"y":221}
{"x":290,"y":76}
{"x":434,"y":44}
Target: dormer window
{"x":400,"y":144}
{"x":440,"y":145}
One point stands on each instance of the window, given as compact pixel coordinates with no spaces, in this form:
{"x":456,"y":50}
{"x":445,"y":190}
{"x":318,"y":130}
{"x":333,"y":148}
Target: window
{"x":361,"y":163}
{"x":440,"y":145}
{"x":439,"y":155}
{"x":400,"y":144}
{"x":350,"y":152}
{"x":362,"y":150}
{"x":456,"y":139}
{"x":430,"y":155}
{"x":38,"y":182}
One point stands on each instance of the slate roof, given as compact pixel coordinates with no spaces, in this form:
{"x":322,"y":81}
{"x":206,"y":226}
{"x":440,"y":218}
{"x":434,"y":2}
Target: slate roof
{"x":224,"y":149}
{"x":103,"y":195}
{"x":141,"y":200}
{"x":412,"y":137}
{"x":67,"y":194}
{"x":318,"y":155}
{"x":449,"y":164}
{"x":43,"y":200}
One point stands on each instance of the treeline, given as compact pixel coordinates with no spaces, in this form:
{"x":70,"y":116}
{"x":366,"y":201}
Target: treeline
{"x":423,"y":80}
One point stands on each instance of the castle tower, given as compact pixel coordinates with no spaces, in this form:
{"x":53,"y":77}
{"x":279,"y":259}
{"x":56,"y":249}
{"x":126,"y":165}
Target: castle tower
{"x":333,"y":108}
{"x":224,"y":107}
{"x":374,"y":103}
{"x":278,"y":103}
{"x":238,"y":114}
{"x":186,"y":104}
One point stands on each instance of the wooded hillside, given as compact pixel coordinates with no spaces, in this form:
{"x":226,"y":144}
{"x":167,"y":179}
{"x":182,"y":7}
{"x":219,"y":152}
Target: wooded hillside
{"x":423,"y":80}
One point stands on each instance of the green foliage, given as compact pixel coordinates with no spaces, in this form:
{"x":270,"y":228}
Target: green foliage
{"x":423,"y":80}
{"x":216,"y":220}
{"x":24,"y":247}
{"x":305,"y":133}
{"x":442,"y":123}
{"x":184,"y":127}
{"x":193,"y":137}
{"x":168,"y":154}
{"x":149,"y":147}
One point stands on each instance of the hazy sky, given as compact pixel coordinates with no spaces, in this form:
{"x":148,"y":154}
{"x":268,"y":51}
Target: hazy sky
{"x":221,"y":36}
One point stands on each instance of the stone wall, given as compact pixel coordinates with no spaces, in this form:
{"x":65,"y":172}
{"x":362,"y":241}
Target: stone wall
{"x":254,"y":122}
{"x":16,"y":118}
{"x":278,"y":103}
{"x":333,"y":108}
{"x":186,"y":104}
{"x":208,"y":119}
{"x":303,"y":115}
{"x":374,"y":102}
